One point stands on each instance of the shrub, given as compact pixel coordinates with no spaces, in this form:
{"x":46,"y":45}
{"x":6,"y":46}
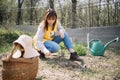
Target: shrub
{"x":6,"y":38}
{"x":80,"y":49}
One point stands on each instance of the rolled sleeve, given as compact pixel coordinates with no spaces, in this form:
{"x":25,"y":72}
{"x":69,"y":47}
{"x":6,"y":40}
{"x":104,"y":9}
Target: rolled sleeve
{"x":39,"y":37}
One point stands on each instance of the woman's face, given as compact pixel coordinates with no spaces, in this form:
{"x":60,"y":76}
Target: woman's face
{"x":51,"y":21}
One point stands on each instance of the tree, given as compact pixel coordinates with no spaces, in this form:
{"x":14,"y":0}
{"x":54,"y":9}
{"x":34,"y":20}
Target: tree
{"x":3,"y":8}
{"x":51,"y":2}
{"x":19,"y":16}
{"x":108,"y":11}
{"x":32,"y":9}
{"x":74,"y":21}
{"x":61,"y":11}
{"x":116,"y":13}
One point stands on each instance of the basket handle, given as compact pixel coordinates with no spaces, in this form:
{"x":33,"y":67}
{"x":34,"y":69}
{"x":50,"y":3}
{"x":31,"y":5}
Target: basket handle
{"x":11,"y":52}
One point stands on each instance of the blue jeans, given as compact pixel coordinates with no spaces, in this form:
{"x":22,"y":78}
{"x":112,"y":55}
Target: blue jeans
{"x":53,"y":46}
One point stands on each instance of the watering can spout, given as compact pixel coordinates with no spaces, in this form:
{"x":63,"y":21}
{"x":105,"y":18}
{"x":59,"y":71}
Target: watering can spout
{"x":108,"y":43}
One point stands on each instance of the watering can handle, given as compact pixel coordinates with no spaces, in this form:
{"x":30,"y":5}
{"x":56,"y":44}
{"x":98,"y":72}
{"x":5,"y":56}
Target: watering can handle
{"x":94,"y":40}
{"x":91,"y":42}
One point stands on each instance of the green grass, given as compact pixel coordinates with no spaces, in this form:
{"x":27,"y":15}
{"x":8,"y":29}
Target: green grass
{"x":5,"y":48}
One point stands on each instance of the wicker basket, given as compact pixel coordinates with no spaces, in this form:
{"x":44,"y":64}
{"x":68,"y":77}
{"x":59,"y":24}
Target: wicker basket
{"x":20,"y":68}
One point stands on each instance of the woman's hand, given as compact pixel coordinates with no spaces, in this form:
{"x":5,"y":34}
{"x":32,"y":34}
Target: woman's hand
{"x":61,"y":32}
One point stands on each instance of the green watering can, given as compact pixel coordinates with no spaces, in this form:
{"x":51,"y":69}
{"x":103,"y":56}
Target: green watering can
{"x":97,"y":48}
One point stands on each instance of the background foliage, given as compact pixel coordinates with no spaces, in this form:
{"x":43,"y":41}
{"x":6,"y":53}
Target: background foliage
{"x":71,"y":13}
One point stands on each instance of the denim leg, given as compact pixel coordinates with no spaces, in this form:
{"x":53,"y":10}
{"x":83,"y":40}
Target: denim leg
{"x":52,"y":46}
{"x":66,"y":40}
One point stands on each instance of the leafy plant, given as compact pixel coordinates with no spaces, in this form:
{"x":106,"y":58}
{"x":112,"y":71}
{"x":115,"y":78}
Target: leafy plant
{"x":62,"y":49}
{"x":62,"y":45}
{"x":80,"y":49}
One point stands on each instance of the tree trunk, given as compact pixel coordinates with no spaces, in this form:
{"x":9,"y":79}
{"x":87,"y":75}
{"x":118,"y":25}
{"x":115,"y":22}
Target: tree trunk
{"x":31,"y":11}
{"x":33,"y":14}
{"x":74,"y":15}
{"x":99,"y":13}
{"x":36,"y":17}
{"x":108,"y":12}
{"x":19,"y":16}
{"x":89,"y":14}
{"x":51,"y":2}
{"x":61,"y":11}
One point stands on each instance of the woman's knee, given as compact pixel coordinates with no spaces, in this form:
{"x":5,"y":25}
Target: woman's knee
{"x":52,"y":46}
{"x":56,"y":48}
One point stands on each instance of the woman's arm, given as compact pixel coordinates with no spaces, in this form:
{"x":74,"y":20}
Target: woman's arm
{"x":60,"y":26}
{"x":61,"y":30}
{"x":39,"y":36}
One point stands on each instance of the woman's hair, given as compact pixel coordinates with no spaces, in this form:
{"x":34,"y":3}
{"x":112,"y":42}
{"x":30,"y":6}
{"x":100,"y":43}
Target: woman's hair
{"x":50,"y":13}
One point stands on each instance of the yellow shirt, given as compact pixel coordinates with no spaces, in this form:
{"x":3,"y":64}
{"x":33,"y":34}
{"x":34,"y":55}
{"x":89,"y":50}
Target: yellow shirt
{"x":49,"y":34}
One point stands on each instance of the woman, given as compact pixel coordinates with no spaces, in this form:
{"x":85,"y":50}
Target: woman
{"x":49,"y":34}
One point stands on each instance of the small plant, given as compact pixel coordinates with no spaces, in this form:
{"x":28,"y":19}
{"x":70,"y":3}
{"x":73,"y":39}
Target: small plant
{"x":80,"y":49}
{"x":62,"y":50}
{"x":62,"y":45}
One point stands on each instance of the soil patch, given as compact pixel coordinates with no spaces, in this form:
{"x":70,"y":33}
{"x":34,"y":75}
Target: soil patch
{"x":58,"y":67}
